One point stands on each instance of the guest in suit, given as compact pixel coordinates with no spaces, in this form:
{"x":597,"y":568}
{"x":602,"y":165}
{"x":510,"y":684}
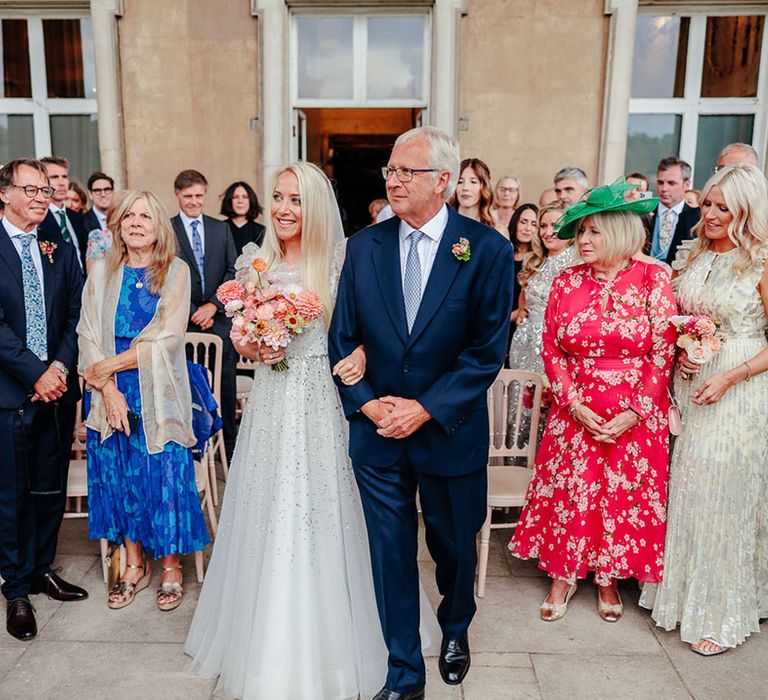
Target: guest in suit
{"x":240,"y":205}
{"x":66,"y":223}
{"x":101,"y":187}
{"x":570,"y":183}
{"x":40,"y":289}
{"x":673,"y":219}
{"x":207,"y":246}
{"x":429,"y":295}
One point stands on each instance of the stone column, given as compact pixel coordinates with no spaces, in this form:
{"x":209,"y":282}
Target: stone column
{"x":618,"y":83}
{"x":104,"y":15}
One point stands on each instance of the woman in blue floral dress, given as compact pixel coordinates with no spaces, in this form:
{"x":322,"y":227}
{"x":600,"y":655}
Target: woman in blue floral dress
{"x":141,"y":477}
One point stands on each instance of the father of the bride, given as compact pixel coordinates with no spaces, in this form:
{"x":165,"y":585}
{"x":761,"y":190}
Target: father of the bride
{"x":429,"y":294}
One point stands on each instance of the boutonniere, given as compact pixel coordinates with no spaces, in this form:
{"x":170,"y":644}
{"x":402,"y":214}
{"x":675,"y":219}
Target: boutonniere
{"x":47,"y":248}
{"x":461,"y":250}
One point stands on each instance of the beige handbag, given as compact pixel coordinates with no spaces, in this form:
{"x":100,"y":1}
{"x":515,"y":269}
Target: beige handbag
{"x":675,"y":416}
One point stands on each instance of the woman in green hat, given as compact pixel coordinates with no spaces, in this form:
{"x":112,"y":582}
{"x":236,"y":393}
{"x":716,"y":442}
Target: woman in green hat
{"x":597,"y":500}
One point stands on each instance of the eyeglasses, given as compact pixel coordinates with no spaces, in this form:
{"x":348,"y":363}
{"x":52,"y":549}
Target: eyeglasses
{"x":102,"y":190}
{"x":509,"y":189}
{"x":31,"y":191}
{"x":404,"y":174}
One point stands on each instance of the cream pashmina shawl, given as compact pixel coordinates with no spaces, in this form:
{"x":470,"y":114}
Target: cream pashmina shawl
{"x":166,"y":400}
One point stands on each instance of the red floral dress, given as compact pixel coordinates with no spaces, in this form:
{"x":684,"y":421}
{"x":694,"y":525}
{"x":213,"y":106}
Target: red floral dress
{"x":593,"y":506}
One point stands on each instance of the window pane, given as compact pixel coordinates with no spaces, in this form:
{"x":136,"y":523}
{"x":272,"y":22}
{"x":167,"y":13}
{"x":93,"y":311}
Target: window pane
{"x":14,"y":55}
{"x":395,"y":58}
{"x":661,"y":47}
{"x":17,"y":137}
{"x":325,"y":57}
{"x":76,"y":138}
{"x":732,"y":56}
{"x":716,"y":131}
{"x":651,"y":137}
{"x":69,"y":57}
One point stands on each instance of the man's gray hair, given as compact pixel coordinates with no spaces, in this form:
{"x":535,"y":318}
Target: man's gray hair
{"x":746,"y":147}
{"x":444,"y":153}
{"x":572,"y":173}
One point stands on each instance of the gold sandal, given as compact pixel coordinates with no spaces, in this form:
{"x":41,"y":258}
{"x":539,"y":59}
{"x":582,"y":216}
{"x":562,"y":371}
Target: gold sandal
{"x":175,"y":590}
{"x":127,"y":589}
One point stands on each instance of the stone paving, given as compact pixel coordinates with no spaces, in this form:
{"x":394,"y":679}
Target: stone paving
{"x":84,"y":651}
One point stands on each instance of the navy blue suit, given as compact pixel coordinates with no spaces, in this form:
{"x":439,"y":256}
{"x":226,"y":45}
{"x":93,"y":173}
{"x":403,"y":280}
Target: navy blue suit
{"x":447,"y":362}
{"x":35,"y":438}
{"x":51,"y":228}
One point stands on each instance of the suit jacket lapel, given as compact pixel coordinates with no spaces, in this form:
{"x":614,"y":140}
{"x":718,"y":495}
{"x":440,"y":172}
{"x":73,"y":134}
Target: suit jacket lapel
{"x":209,"y":249}
{"x":441,"y":277}
{"x":386,"y":263}
{"x":49,"y":283}
{"x":10,"y":257}
{"x":185,"y":250}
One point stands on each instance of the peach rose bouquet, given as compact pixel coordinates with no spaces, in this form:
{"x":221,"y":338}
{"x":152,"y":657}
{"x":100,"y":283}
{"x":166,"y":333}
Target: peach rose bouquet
{"x":699,"y":336}
{"x":263,"y":313}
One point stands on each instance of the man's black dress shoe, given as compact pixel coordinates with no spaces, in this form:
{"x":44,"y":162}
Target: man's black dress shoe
{"x":20,"y":619}
{"x":387,"y":694}
{"x":57,"y":588}
{"x":454,"y":660}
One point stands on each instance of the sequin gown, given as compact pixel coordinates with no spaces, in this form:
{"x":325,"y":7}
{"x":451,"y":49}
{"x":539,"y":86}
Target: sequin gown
{"x":716,"y":565}
{"x":595,"y":506}
{"x":149,"y":498}
{"x":525,"y":349}
{"x":288,"y":610}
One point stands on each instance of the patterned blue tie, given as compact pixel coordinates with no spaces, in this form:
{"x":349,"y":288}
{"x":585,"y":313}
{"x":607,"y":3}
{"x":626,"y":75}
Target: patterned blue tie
{"x":34,"y":305}
{"x":412,"y":283}
{"x":197,"y":249}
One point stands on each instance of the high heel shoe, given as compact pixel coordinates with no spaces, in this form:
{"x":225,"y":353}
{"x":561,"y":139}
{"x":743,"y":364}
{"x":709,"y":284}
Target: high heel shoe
{"x":549,"y":612}
{"x":172,"y":591}
{"x":610,"y":612}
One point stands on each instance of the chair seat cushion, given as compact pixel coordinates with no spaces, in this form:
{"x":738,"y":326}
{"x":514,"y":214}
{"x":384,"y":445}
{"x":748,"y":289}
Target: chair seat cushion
{"x":507,"y":486}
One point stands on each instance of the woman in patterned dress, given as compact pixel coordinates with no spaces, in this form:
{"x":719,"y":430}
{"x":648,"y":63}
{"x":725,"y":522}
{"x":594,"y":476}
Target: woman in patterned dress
{"x":716,"y":564}
{"x":141,"y":477}
{"x":597,"y":500}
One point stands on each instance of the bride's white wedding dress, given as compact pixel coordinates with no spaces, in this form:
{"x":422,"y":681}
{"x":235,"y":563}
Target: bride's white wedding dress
{"x":287,"y":610}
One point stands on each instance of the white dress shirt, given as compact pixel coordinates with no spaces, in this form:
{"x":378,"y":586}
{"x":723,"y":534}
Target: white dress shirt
{"x":428,"y":245}
{"x":188,"y":228}
{"x":37,"y":257}
{"x":102,"y":218}
{"x":72,"y":237}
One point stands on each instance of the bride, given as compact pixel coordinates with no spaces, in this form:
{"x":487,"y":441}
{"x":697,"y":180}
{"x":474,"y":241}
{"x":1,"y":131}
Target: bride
{"x":287,"y":610}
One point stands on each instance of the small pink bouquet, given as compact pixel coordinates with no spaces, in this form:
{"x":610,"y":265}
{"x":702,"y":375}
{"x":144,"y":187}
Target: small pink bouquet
{"x":263,"y":313}
{"x":699,"y":336}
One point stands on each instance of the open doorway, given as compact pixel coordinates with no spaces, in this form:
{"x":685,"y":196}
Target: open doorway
{"x":351,"y":145}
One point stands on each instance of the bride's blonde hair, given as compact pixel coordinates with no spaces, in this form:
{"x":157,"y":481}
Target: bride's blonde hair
{"x":319,"y":231}
{"x":745,"y":192}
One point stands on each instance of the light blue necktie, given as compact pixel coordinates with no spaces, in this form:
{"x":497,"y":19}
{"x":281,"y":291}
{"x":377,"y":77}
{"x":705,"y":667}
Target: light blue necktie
{"x":34,"y":306}
{"x":197,"y":249}
{"x":412,"y":283}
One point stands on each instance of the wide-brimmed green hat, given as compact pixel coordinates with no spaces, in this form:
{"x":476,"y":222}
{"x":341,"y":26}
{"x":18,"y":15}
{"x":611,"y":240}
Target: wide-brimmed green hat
{"x":599,"y":200}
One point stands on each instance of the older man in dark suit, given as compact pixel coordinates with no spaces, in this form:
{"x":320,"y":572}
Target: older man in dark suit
{"x":40,"y":287}
{"x":673,"y":220}
{"x":207,"y":246}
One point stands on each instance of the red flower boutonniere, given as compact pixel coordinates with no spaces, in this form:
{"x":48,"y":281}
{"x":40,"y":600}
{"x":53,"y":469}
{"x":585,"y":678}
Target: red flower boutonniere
{"x":47,"y":248}
{"x":461,"y":250}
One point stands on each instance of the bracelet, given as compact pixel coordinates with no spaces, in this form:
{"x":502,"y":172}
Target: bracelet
{"x":749,"y":371}
{"x":61,"y":367}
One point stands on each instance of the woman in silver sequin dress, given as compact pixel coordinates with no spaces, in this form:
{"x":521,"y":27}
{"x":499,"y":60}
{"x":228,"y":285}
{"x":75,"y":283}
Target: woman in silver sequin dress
{"x":540,"y":268}
{"x":715,"y":582}
{"x":287,"y":610}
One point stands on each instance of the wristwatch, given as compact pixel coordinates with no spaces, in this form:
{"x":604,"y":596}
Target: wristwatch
{"x":61,"y":367}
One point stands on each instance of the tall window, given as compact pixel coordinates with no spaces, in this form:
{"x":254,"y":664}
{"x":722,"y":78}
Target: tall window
{"x":48,"y":91}
{"x":360,"y":60}
{"x":697,"y":84}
